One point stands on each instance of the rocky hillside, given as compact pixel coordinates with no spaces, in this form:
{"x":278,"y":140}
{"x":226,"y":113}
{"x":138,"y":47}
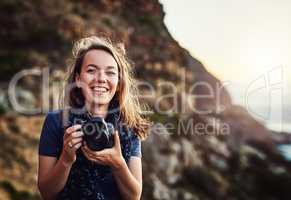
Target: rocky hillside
{"x":235,"y":157}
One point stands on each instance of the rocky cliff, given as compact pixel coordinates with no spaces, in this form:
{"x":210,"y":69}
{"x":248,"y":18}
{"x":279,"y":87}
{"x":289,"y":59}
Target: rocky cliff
{"x":220,"y":154}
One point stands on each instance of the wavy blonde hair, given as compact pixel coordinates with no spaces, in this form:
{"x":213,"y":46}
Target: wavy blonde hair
{"x":126,"y":97}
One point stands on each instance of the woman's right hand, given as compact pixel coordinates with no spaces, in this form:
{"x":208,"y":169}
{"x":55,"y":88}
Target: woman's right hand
{"x":73,"y":138}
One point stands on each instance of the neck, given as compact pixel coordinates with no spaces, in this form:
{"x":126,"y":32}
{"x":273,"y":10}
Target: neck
{"x":97,"y":110}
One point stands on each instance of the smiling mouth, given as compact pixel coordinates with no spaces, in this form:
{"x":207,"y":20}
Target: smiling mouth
{"x":99,"y":90}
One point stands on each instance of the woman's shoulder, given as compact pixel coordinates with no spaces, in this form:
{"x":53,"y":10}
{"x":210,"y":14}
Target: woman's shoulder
{"x":133,"y":136}
{"x":135,"y":143}
{"x":130,"y":132}
{"x":54,"y":117}
{"x":54,"y":114}
{"x":50,"y":143}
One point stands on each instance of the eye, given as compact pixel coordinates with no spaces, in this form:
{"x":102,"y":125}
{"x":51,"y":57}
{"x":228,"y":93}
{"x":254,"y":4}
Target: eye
{"x":111,"y":73}
{"x":90,"y":70}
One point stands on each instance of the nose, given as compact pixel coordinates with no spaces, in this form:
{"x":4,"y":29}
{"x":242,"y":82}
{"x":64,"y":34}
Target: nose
{"x":101,"y":77}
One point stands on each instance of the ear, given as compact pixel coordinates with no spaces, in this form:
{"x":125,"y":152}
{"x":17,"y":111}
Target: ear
{"x":77,"y":80}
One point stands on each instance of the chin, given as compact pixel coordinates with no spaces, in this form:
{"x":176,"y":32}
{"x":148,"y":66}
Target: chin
{"x":101,"y":101}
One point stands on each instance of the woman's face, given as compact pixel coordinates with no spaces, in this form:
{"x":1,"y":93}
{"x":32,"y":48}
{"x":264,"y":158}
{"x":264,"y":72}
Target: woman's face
{"x":98,"y":77}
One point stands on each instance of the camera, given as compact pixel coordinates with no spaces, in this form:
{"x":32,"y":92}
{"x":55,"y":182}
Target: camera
{"x":98,"y":134}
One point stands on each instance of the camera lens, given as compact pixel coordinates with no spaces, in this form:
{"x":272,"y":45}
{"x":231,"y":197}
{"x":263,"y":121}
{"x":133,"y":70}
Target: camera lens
{"x":89,"y":129}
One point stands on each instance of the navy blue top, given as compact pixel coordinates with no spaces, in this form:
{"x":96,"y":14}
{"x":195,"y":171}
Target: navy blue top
{"x":86,"y":180}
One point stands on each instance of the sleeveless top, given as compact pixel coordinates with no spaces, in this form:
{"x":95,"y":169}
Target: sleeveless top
{"x":87,"y":180}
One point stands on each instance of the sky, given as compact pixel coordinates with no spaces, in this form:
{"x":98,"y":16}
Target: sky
{"x":246,"y":44}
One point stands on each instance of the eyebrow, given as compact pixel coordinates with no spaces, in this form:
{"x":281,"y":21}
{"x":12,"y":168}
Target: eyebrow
{"x":97,"y":67}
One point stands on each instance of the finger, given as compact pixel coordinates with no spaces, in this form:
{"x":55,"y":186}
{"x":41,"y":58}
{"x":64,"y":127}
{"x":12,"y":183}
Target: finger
{"x":103,"y":152}
{"x":75,"y":146}
{"x":77,"y":134}
{"x":70,"y":130}
{"x":87,"y":150}
{"x":86,"y":147}
{"x":78,"y":145}
{"x":72,"y":141}
{"x":76,"y":140}
{"x":116,"y":140}
{"x":96,"y":154}
{"x":90,"y":157}
{"x":66,"y":141}
{"x":73,"y":128}
{"x":86,"y":154}
{"x":100,"y":161}
{"x":97,"y":160}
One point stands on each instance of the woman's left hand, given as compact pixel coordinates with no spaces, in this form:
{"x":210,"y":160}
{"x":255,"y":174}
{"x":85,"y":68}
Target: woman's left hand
{"x":110,"y":156}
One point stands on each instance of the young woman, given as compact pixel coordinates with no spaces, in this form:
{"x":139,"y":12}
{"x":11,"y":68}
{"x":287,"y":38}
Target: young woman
{"x":99,"y":84}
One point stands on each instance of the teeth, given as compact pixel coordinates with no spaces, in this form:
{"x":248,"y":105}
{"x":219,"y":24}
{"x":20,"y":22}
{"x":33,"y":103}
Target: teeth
{"x":99,"y":89}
